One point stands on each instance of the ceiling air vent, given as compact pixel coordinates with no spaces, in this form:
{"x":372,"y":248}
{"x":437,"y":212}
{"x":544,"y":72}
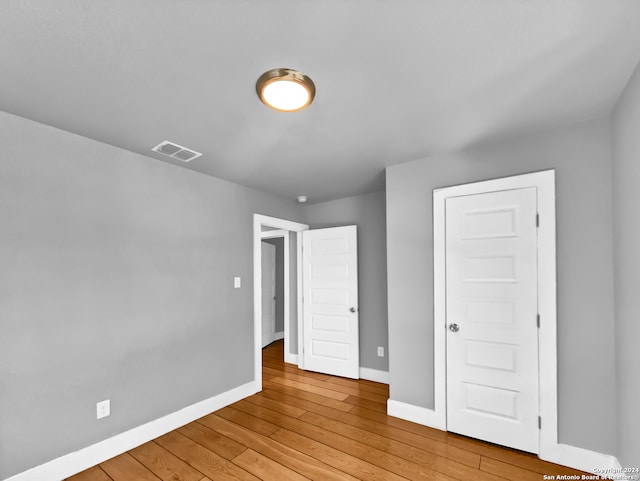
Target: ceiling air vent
{"x":176,"y":151}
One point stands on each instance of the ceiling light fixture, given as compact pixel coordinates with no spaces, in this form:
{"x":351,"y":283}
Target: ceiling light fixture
{"x":302,"y":199}
{"x":285,"y":90}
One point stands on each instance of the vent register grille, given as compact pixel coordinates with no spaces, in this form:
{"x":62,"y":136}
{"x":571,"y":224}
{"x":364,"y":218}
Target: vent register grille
{"x":176,"y":151}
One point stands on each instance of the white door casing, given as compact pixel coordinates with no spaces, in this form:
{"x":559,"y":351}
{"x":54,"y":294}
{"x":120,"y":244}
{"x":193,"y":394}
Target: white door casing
{"x":330,"y":301}
{"x":268,"y":293}
{"x":287,"y":227}
{"x":491,"y":311}
{"x":544,"y":182}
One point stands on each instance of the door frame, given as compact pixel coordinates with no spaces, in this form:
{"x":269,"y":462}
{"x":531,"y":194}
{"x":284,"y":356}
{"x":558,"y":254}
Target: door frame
{"x":275,"y":234}
{"x":547,"y":333}
{"x":287,"y":226}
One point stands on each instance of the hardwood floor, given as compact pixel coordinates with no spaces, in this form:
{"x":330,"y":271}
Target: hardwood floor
{"x":305,"y":425}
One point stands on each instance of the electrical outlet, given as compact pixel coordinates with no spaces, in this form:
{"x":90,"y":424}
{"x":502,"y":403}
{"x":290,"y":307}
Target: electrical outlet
{"x":380,"y":351}
{"x":103,"y":409}
{"x":237,"y":283}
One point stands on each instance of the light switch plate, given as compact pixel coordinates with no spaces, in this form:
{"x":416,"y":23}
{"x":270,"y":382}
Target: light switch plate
{"x":237,"y":282}
{"x":103,"y":409}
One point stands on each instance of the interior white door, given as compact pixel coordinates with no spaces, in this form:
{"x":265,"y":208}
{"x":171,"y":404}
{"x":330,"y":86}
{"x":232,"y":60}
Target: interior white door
{"x":268,"y":293}
{"x":330,"y":301}
{"x":492,"y":332}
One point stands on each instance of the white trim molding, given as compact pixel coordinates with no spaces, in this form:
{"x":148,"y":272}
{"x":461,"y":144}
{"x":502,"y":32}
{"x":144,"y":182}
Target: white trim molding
{"x":73,"y":463}
{"x":562,"y":454}
{"x":290,"y":358}
{"x":374,"y":375}
{"x":604,"y":465}
{"x":415,"y":414}
{"x":283,"y":228}
{"x":300,"y":340}
{"x":273,"y":234}
{"x":286,"y":281}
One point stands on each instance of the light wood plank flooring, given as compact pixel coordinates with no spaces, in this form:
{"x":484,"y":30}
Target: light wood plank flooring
{"x":306,"y":425}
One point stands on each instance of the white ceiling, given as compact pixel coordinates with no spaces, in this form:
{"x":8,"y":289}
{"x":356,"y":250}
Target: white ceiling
{"x":396,"y":79}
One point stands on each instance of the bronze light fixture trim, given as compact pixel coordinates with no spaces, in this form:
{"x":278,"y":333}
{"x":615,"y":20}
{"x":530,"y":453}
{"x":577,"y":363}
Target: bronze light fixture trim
{"x":285,"y":90}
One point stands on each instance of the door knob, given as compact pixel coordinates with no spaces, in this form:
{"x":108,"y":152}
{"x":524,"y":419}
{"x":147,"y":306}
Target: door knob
{"x":352,"y":309}
{"x":454,"y":327}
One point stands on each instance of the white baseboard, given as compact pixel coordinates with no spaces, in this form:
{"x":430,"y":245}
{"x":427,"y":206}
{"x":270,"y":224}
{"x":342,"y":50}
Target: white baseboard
{"x":415,"y":414}
{"x":562,"y":454}
{"x":290,"y":358}
{"x":604,"y":465}
{"x":278,"y":336}
{"x":78,"y":461}
{"x":374,"y":375}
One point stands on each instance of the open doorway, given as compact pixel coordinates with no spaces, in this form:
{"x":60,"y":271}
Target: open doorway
{"x":321,"y":321}
{"x":274,"y":243}
{"x":265,"y":227}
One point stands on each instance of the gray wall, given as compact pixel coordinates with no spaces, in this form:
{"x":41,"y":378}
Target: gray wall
{"x":368,"y":213}
{"x":581,"y":155}
{"x":278,"y":242}
{"x":116,"y":283}
{"x":626,"y":221}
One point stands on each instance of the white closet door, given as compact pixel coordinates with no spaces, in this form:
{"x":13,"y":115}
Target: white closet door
{"x":492,"y":335}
